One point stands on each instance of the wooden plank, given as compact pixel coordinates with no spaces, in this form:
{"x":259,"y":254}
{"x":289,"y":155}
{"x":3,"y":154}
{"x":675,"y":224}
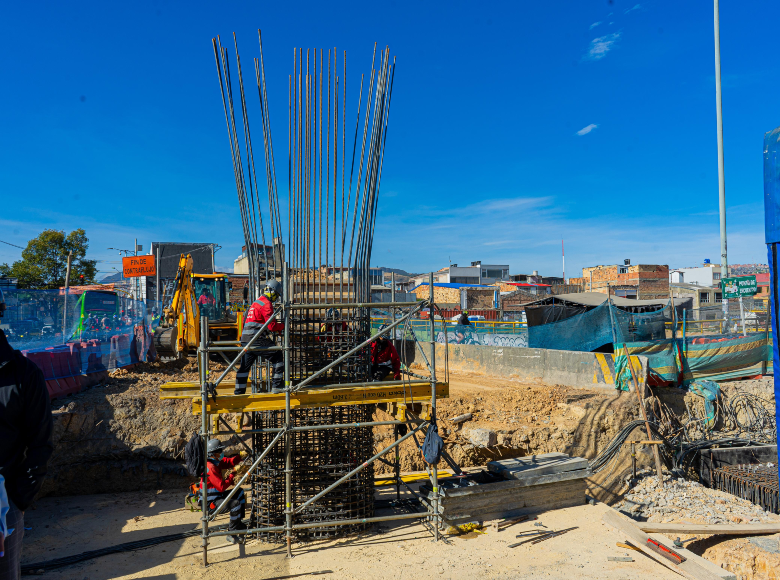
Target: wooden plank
{"x":509,"y":485}
{"x":706,"y":564}
{"x":420,"y":393}
{"x":518,"y":483}
{"x":727,"y":529}
{"x":509,"y":503}
{"x":690,"y":569}
{"x":534,"y":465}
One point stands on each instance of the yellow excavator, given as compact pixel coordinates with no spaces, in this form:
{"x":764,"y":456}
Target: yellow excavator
{"x":194,"y":295}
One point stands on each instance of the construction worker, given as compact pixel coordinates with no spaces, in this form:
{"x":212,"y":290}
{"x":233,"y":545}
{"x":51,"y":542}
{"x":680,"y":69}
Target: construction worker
{"x":218,"y":487}
{"x":384,"y":359}
{"x":260,"y":311}
{"x":463,"y":319}
{"x":26,"y":435}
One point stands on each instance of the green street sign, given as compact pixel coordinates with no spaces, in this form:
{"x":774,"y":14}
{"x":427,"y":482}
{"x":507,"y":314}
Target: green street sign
{"x":736,"y":287}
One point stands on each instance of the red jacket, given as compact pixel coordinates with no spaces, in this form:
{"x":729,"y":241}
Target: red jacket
{"x":387,"y":354}
{"x":214,"y":479}
{"x":260,"y":311}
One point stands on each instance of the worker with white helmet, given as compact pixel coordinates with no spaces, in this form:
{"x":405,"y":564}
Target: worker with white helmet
{"x":261,"y":310}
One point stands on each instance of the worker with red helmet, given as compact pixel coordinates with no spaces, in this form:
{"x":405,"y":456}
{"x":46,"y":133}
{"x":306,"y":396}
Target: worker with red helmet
{"x":384,"y":359}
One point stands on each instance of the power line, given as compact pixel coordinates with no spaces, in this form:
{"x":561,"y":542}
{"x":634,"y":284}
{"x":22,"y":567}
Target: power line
{"x":10,"y":244}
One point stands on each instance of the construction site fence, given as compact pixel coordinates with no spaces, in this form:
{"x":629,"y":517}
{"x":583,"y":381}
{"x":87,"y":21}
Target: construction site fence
{"x":74,"y":342}
{"x":482,"y":332}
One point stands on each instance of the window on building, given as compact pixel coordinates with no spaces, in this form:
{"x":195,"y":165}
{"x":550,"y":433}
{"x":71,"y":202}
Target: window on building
{"x":622,"y":269}
{"x":492,"y":273}
{"x":484,"y":273}
{"x":716,"y":275}
{"x":718,"y":295}
{"x":704,"y":298}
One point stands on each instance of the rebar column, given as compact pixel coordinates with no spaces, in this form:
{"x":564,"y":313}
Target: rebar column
{"x":288,"y":434}
{"x":434,"y":468}
{"x":204,"y":430}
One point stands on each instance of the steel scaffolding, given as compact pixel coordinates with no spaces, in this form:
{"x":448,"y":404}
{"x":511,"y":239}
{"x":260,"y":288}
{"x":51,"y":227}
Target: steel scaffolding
{"x":282,"y":440}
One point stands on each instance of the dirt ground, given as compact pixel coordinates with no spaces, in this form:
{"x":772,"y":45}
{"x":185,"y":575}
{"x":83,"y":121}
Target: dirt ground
{"x":71,"y":525}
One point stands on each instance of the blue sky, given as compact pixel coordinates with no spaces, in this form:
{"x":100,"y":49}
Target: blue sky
{"x":514,"y":124}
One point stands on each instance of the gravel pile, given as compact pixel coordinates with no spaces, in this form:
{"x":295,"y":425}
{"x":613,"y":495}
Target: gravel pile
{"x":680,"y":499}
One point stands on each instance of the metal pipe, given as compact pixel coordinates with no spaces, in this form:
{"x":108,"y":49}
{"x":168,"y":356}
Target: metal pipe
{"x":724,"y":262}
{"x":287,"y":415}
{"x":276,"y":529}
{"x":244,"y":349}
{"x":327,"y":305}
{"x":204,"y":433}
{"x":432,"y":368}
{"x":357,"y":469}
{"x":354,"y":350}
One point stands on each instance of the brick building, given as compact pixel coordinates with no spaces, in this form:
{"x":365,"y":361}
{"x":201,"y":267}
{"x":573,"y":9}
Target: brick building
{"x":640,"y":281}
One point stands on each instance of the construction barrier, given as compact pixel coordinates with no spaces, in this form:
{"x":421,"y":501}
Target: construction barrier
{"x":552,"y":367}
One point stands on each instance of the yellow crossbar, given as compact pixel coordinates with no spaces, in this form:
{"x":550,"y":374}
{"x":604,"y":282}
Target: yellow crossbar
{"x":441,"y":474}
{"x":419,"y":392}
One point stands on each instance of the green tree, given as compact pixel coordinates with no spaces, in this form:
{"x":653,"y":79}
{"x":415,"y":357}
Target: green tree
{"x":45,"y":259}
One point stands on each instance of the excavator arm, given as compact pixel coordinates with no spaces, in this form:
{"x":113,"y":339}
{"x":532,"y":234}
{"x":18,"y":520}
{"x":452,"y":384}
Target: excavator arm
{"x":181,"y":328}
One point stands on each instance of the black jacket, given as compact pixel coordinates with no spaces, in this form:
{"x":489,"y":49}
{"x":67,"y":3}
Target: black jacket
{"x":464,"y":320}
{"x":25,"y":425}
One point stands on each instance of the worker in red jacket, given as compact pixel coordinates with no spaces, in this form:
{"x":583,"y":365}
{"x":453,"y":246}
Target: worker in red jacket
{"x":384,"y":359}
{"x":218,"y":487}
{"x":260,"y":311}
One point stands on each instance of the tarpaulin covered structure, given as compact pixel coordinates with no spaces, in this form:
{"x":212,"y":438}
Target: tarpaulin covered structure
{"x":586,"y":321}
{"x":718,"y":357}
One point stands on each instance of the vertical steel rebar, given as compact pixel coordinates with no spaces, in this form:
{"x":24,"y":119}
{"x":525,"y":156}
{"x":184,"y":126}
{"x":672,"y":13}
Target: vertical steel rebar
{"x":434,"y":468}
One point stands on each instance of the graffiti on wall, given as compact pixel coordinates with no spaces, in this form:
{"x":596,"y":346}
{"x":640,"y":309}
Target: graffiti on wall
{"x":464,"y":335}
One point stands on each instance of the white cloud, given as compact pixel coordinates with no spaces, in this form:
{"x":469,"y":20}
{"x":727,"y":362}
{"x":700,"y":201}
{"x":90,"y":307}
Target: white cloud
{"x":594,"y":25}
{"x":586,"y":130}
{"x":635,"y":7}
{"x":599,"y":47}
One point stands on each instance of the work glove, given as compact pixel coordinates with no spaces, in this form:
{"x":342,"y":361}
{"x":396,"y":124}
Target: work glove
{"x":229,"y":479}
{"x":242,"y":454}
{"x":397,"y":376}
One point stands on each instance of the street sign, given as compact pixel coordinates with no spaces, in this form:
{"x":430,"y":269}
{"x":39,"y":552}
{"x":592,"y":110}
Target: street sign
{"x":134,"y":266}
{"x":738,"y":287}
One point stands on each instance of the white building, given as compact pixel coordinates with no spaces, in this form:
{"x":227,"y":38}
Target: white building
{"x":477,"y":273}
{"x":708,"y":275}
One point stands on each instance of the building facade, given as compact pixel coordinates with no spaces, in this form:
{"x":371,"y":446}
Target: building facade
{"x":640,"y":281}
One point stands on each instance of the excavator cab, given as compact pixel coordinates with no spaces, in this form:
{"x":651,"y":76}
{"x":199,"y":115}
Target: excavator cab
{"x":211,"y":293}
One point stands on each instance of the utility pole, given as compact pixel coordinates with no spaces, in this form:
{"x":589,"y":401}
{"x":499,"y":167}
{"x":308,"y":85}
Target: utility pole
{"x":65,"y":305}
{"x":724,"y":262}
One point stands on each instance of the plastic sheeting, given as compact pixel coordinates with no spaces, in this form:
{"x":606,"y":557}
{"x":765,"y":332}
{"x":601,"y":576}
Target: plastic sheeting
{"x":72,"y":336}
{"x":701,"y":357}
{"x":598,"y":329}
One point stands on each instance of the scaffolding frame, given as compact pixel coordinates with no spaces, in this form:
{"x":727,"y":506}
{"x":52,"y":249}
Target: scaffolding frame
{"x":283,"y":435}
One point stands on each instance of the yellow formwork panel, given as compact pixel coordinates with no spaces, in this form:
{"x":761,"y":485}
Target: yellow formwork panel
{"x":419,"y":392}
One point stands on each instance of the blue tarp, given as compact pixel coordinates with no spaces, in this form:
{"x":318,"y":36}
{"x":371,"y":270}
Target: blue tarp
{"x":596,"y":328}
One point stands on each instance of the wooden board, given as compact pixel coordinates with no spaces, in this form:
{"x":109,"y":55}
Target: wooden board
{"x":418,"y":392}
{"x":626,"y":527}
{"x":510,"y":501}
{"x":727,"y":529}
{"x":706,"y":564}
{"x":535,"y":465}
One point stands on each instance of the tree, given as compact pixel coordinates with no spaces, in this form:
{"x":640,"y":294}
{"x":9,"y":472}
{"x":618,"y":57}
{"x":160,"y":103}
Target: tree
{"x":45,"y":260}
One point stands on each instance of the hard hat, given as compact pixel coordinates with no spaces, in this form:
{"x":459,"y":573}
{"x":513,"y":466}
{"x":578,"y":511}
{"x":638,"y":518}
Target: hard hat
{"x":273,"y":286}
{"x":214,"y":446}
{"x":382,"y":328}
{"x":2,"y":303}
{"x":332,"y":313}
{"x":465,"y":312}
